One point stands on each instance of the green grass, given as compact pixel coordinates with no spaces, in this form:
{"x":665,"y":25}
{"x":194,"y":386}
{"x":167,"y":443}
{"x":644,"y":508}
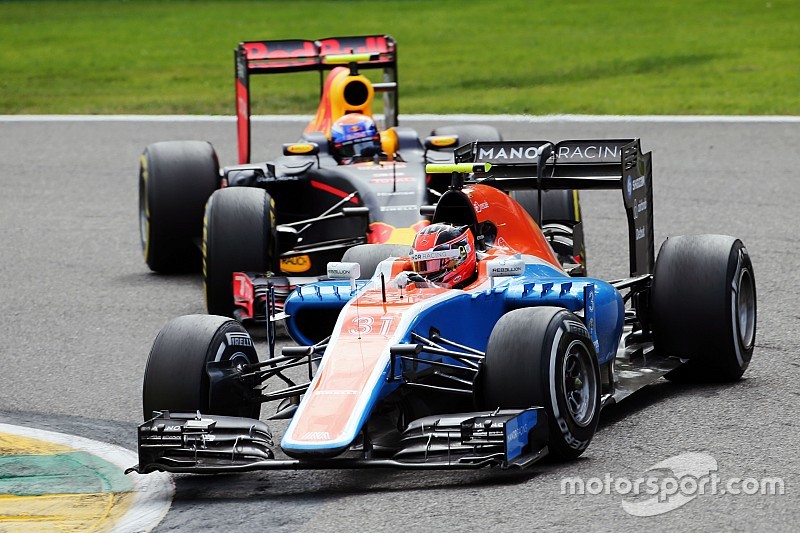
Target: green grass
{"x":455,"y":56}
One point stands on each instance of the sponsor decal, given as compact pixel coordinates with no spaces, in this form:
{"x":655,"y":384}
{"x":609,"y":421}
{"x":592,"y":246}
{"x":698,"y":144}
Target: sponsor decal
{"x":398,"y":193}
{"x":480,"y":206}
{"x":638,"y":207}
{"x":640,"y":233}
{"x":629,"y":188}
{"x":505,"y":267}
{"x":372,"y":167}
{"x":339,"y":270}
{"x":438,"y":254}
{"x":297,"y":263}
{"x":637,"y":184}
{"x":300,"y":148}
{"x":238,"y":339}
{"x":604,"y":153}
{"x":518,"y":432}
{"x":242,"y":287}
{"x":443,"y":141}
{"x":316,"y":435}
{"x":399,"y":208}
{"x":508,"y":153}
{"x":391,"y":180}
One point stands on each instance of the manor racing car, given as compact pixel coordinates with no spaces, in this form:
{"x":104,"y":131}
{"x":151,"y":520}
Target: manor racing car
{"x":513,"y":367}
{"x":280,"y":222}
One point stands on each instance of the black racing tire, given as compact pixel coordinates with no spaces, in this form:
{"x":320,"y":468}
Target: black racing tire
{"x":543,"y":356}
{"x":370,"y":255}
{"x":176,"y":179}
{"x":703,"y":306}
{"x":559,"y":206}
{"x":238,"y":236}
{"x":468,"y":133}
{"x":176,"y":378}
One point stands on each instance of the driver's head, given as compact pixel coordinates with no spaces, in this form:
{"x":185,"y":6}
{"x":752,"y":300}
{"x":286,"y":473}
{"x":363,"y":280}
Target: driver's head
{"x":355,"y":135}
{"x":445,"y":254}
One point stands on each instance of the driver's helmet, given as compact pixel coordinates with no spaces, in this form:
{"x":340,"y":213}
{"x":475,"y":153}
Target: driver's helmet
{"x":444,"y":254}
{"x":355,"y":135}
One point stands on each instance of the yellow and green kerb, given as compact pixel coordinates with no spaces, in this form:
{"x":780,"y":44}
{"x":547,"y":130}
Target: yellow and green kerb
{"x":46,"y":486}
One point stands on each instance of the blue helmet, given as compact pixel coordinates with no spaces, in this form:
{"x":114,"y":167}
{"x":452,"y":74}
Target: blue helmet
{"x":355,"y":135}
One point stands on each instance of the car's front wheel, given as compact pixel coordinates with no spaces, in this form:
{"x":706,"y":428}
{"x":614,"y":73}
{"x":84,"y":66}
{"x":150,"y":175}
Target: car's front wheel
{"x":238,"y":236}
{"x":544,"y":356}
{"x":176,"y":377}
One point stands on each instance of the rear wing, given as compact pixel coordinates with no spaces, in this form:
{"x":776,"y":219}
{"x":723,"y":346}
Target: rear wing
{"x":277,"y":57}
{"x":575,"y":164}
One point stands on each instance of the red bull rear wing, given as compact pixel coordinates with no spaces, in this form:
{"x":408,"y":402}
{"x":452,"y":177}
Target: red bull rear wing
{"x":285,"y":56}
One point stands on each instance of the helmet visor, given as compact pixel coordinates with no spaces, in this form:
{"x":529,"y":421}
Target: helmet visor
{"x":365,"y":147}
{"x":434,"y":261}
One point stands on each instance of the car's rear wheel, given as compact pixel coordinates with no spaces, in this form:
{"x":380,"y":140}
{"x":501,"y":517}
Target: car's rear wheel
{"x":176,"y":377}
{"x":561,"y":213}
{"x":543,"y":356}
{"x":238,"y":236}
{"x":175,"y":180}
{"x":368,"y":256}
{"x":703,"y":306}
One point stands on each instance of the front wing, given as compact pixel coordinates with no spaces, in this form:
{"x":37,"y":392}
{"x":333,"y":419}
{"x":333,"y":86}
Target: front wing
{"x":195,"y":443}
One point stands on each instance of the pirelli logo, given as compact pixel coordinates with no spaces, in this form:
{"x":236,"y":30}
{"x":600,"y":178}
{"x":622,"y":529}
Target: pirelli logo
{"x":238,"y":339}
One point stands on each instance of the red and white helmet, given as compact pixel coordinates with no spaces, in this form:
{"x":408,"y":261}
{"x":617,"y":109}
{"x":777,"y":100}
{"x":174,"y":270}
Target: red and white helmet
{"x":444,"y":253}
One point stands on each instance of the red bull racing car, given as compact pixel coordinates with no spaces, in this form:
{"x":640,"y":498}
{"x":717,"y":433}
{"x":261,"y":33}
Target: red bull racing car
{"x":343,"y":183}
{"x":508,"y":364}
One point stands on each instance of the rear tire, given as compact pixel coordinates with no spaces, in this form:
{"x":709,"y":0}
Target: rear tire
{"x":559,"y":206}
{"x":176,"y":378}
{"x":543,"y":356}
{"x":238,"y":236}
{"x":703,"y":306}
{"x":370,"y":255}
{"x":175,"y":180}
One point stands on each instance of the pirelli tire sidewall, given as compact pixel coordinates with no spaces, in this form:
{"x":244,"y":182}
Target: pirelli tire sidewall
{"x":524,"y":367}
{"x":176,"y":178}
{"x":238,"y":236}
{"x":176,"y":376}
{"x":703,"y":306}
{"x":568,"y":440}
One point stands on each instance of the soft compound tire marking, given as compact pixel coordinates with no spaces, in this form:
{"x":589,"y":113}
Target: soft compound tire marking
{"x":152,"y":493}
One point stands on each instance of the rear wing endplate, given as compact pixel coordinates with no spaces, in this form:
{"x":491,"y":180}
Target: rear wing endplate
{"x":577,"y":164}
{"x":277,"y":57}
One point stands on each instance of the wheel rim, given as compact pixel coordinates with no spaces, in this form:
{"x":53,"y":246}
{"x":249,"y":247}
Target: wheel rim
{"x":746,"y":308}
{"x":579,"y":384}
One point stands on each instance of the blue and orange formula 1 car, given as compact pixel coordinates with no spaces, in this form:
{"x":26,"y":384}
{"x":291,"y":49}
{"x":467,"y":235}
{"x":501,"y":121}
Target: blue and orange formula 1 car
{"x":344,"y":183}
{"x":514,"y":366}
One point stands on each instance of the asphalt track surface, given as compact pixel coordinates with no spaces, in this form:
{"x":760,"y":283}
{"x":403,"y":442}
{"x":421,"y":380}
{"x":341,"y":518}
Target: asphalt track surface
{"x":80,"y":310}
